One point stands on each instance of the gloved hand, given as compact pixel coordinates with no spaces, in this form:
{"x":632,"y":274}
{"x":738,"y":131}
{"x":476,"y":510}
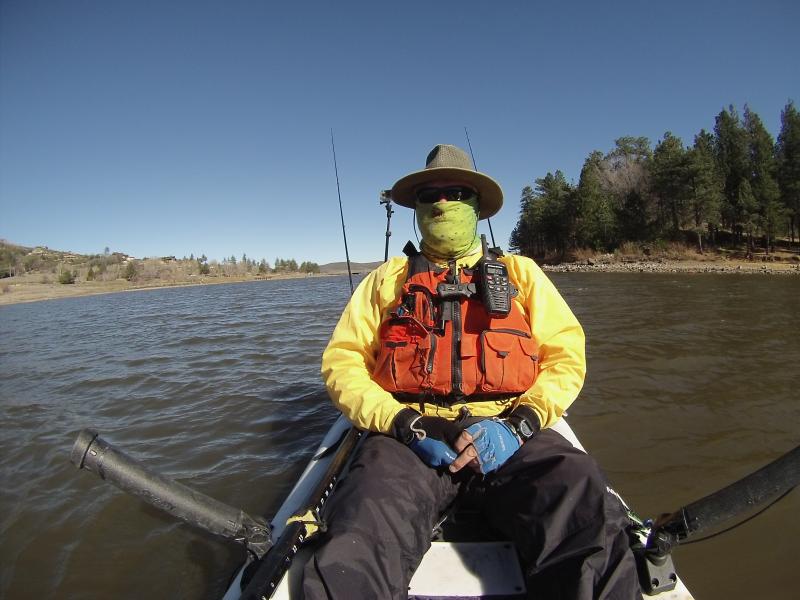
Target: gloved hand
{"x":494,"y":441}
{"x":431,"y":438}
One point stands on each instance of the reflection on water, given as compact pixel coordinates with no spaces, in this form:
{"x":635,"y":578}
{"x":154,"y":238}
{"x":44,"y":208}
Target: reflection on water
{"x":692,"y":384}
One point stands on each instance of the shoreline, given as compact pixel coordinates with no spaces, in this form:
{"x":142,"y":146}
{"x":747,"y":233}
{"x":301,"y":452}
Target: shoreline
{"x":26,"y":289}
{"x":733,"y":267}
{"x":20,"y":290}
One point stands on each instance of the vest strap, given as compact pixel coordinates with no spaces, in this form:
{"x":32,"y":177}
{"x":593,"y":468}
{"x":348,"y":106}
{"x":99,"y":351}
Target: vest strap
{"x":449,"y":399}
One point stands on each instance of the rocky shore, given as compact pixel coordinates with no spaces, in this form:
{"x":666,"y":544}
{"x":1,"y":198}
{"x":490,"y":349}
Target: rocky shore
{"x":610,"y":265}
{"x":31,"y":288}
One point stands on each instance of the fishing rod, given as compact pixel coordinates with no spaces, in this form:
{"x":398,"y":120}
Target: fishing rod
{"x":475,"y":166}
{"x":266,"y":574}
{"x":341,"y":214}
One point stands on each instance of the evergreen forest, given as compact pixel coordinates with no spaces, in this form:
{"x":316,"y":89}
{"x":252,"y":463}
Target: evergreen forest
{"x":733,"y":186}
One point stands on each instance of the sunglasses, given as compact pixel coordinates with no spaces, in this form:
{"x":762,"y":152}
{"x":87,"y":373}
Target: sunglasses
{"x":430,"y":195}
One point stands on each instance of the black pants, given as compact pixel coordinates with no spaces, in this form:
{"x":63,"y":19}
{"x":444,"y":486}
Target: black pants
{"x":550,"y":499}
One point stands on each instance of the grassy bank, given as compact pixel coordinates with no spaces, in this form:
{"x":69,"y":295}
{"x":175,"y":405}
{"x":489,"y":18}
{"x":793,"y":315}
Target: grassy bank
{"x":33,"y":287}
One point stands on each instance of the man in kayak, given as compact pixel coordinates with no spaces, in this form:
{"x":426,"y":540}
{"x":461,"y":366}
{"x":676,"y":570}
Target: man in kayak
{"x":459,"y":359}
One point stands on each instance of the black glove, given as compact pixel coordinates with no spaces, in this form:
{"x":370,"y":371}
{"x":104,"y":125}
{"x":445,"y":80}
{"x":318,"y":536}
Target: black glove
{"x":431,"y":438}
{"x":437,"y":428}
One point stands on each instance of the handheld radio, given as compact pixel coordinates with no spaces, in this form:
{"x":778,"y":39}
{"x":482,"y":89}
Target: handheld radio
{"x":494,"y":285}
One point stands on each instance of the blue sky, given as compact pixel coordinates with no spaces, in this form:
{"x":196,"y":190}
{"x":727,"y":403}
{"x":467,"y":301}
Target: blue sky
{"x":170,"y":128}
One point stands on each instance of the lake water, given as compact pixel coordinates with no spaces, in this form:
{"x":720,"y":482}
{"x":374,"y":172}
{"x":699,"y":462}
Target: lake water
{"x":692,"y":384}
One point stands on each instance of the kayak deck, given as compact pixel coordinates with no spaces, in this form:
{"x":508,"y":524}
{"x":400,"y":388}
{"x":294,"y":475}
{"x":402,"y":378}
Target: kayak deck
{"x":459,"y":565}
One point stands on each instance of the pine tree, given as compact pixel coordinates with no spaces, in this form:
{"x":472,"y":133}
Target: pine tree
{"x":544,"y":220}
{"x":626,"y":177}
{"x":521,"y":240}
{"x":670,"y":183}
{"x":788,"y":159}
{"x":732,"y":158}
{"x":597,"y":223}
{"x":763,"y":180}
{"x":705,"y":185}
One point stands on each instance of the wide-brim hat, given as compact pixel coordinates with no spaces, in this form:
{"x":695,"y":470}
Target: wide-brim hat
{"x":450,"y":162}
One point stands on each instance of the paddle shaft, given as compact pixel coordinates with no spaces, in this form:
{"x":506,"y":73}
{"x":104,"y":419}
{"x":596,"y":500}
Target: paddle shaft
{"x":770,"y":481}
{"x":94,"y":454}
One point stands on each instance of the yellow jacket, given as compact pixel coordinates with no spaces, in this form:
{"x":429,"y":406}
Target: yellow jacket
{"x":349,"y":358}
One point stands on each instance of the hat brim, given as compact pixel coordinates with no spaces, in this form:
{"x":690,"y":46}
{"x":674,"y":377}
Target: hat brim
{"x":490,"y":194}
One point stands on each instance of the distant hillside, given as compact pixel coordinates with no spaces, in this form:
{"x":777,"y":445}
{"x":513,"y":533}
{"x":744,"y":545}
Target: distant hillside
{"x":19,"y":260}
{"x":341,"y":267}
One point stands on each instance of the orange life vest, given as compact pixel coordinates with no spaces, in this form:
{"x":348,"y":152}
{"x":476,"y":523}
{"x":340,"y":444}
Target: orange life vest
{"x":443,"y":349}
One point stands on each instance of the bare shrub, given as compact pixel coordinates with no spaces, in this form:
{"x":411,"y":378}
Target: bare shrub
{"x":630,"y":250}
{"x":583,"y":254}
{"x":680,"y":251}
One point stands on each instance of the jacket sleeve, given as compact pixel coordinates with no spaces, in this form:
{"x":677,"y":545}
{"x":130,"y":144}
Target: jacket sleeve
{"x":349,"y":358}
{"x":562,"y":355}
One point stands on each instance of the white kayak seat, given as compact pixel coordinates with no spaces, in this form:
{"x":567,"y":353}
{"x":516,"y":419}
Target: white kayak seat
{"x":468,"y":570}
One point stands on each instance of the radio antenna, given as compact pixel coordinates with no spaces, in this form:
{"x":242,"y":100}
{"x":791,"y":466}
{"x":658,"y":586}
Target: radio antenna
{"x":341,"y":214}
{"x":474,"y":166}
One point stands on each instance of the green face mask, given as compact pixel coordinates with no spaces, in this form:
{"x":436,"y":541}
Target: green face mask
{"x":449,"y":229}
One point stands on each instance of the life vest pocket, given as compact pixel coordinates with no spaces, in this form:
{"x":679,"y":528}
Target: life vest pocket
{"x":470,"y":371}
{"x":508,"y":360}
{"x":405,"y":358}
{"x":418,"y":300}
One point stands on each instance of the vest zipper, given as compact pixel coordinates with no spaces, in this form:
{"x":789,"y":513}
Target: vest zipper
{"x":457,"y":374}
{"x":455,"y":352}
{"x":432,"y":353}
